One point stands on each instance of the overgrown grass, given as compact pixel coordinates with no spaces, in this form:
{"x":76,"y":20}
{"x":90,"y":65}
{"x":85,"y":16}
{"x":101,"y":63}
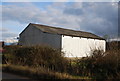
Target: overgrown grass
{"x":39,"y":73}
{"x":35,"y":73}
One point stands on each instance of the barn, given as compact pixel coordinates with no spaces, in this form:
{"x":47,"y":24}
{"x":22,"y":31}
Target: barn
{"x":73,"y":43}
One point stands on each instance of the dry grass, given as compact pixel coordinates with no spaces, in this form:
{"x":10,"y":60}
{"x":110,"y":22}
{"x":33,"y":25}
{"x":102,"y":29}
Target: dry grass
{"x":35,"y":73}
{"x":40,"y":73}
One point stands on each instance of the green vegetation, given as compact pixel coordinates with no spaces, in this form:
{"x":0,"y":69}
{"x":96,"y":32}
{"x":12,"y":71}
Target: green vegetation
{"x":48,"y":62}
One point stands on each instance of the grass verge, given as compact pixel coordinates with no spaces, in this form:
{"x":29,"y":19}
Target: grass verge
{"x":37,"y":73}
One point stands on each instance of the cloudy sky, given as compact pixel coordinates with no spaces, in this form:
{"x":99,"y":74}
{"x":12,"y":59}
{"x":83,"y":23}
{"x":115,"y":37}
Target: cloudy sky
{"x":100,"y":18}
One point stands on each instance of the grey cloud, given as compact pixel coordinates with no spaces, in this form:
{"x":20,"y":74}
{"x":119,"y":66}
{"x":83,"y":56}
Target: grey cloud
{"x":74,"y":11}
{"x":3,"y":29}
{"x":99,"y":18}
{"x":23,"y":14}
{"x":9,"y":34}
{"x":5,"y":33}
{"x":27,"y":14}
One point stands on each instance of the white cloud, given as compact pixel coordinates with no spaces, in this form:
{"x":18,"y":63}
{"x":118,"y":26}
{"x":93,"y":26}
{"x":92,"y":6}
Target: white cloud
{"x":6,"y":34}
{"x":3,"y":29}
{"x":11,"y":40}
{"x":115,"y":39}
{"x":94,"y":17}
{"x":27,"y":14}
{"x":20,"y":13}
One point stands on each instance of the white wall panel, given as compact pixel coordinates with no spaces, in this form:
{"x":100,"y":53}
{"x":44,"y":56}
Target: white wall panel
{"x":80,"y":47}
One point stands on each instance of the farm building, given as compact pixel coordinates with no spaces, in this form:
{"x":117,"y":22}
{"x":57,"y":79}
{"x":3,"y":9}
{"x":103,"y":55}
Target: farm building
{"x":73,"y":43}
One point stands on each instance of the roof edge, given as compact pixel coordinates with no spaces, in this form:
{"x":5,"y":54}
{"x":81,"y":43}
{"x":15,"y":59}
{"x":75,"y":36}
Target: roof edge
{"x":100,"y":38}
{"x":25,"y":28}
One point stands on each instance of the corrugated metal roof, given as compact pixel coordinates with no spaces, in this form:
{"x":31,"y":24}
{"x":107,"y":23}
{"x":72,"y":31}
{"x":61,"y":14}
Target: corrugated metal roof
{"x":62,"y":31}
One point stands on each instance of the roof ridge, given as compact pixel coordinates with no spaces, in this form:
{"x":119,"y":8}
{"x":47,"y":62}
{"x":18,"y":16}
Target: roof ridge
{"x":63,"y":31}
{"x":60,"y":28}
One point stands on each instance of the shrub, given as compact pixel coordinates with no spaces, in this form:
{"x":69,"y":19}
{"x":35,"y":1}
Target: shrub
{"x":99,"y":65}
{"x":8,"y":54}
{"x":36,"y":56}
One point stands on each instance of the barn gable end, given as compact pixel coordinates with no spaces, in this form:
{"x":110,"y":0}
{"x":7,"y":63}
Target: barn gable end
{"x":33,"y":36}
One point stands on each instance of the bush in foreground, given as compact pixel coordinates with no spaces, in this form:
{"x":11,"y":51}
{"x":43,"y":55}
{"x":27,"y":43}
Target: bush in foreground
{"x":99,"y":65}
{"x":36,"y":56}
